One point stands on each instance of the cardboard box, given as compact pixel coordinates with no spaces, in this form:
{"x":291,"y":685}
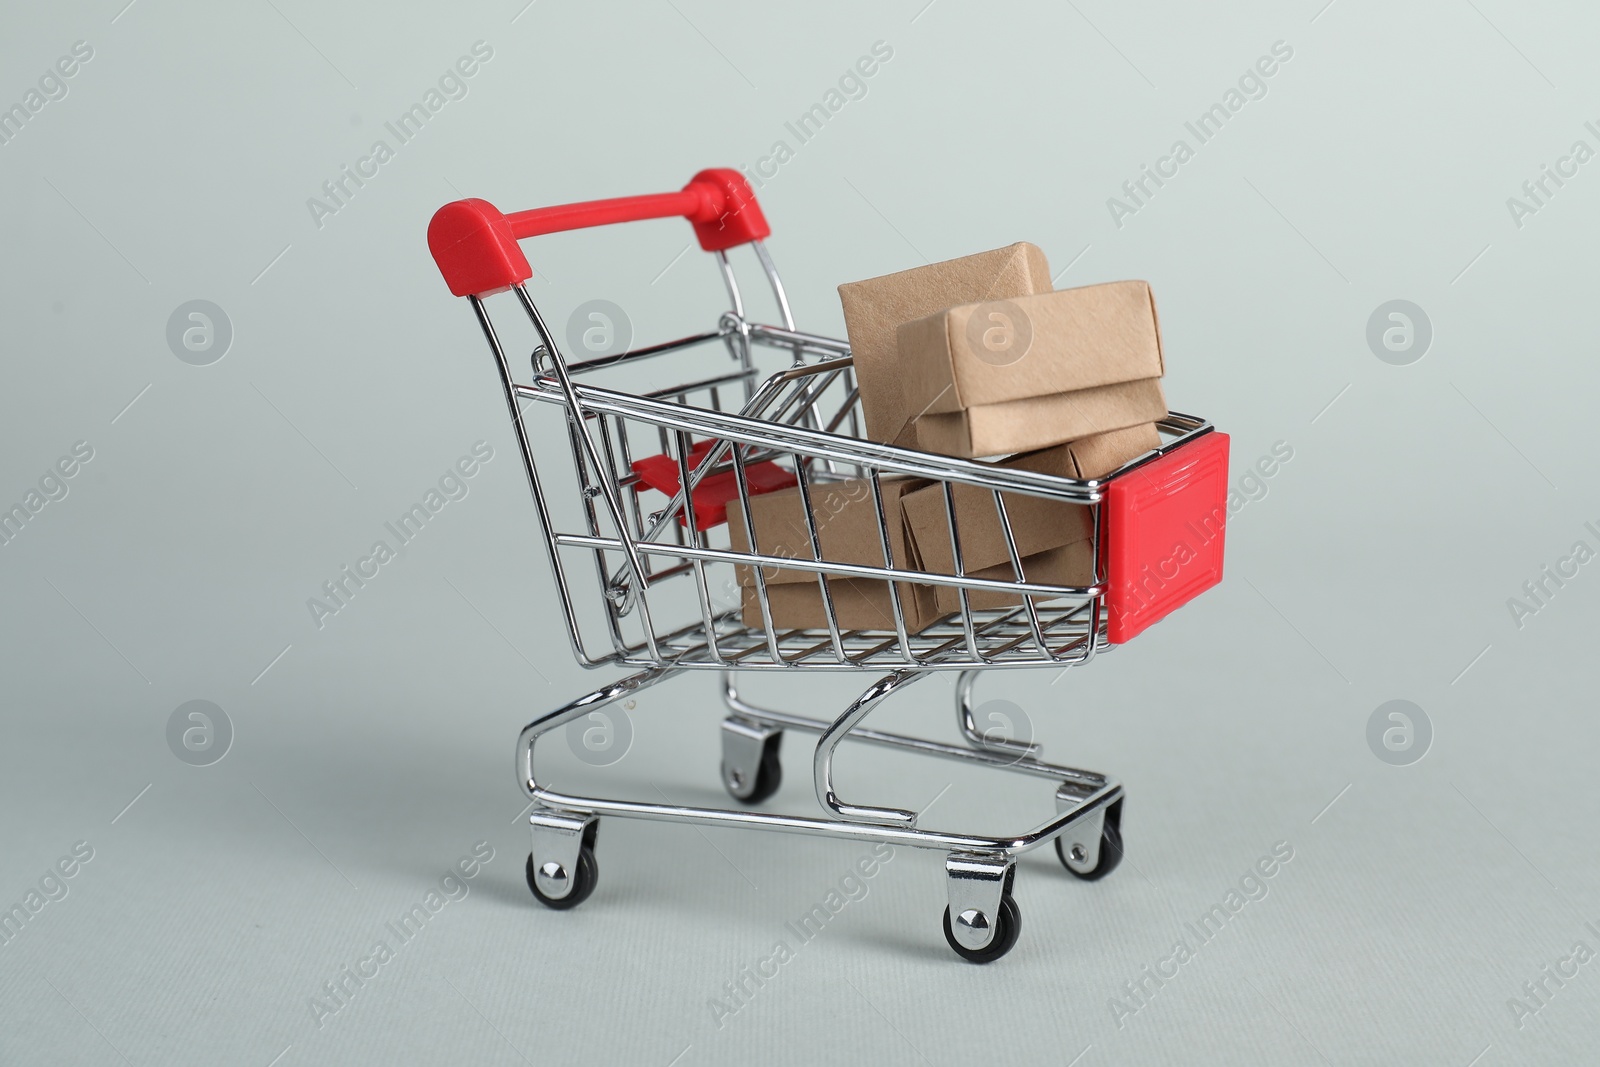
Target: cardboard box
{"x":847,"y":529}
{"x":858,"y":604}
{"x":875,"y":309}
{"x":1002,"y":349}
{"x":1054,"y":538}
{"x":1071,"y":564}
{"x":1029,"y":372}
{"x":1038,"y":422}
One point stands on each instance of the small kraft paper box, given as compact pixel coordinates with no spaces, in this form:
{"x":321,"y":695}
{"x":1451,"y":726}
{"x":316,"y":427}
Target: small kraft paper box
{"x":847,"y":530}
{"x":1013,"y":374}
{"x":874,"y":309}
{"x":1053,"y":538}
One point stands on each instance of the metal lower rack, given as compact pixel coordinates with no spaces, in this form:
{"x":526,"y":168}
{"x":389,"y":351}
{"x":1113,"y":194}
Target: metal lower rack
{"x":1004,"y":639}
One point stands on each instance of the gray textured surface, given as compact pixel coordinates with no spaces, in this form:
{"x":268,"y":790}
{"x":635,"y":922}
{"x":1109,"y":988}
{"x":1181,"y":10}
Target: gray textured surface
{"x":376,"y":751}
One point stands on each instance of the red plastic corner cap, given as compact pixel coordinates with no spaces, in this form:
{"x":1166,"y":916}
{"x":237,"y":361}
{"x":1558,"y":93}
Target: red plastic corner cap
{"x":473,"y":245}
{"x":731,"y":216}
{"x":1165,"y":525}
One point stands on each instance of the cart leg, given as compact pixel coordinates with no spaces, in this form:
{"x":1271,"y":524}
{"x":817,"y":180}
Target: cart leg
{"x":529,"y":738}
{"x":561,"y":867}
{"x":978,"y":738}
{"x":822,"y":761}
{"x":982,"y":921}
{"x":751,"y":771}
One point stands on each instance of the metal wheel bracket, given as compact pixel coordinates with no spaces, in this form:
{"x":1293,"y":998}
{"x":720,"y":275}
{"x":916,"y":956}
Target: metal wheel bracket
{"x":1080,"y":840}
{"x":743,"y":743}
{"x":558,"y":837}
{"x":977,"y":883}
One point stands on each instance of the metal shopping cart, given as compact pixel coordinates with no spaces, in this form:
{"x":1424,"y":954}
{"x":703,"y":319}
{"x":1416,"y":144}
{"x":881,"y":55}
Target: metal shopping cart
{"x":652,"y":474}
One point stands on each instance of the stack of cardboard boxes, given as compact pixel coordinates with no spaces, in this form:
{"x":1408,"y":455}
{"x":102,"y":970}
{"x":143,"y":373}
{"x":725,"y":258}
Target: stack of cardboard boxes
{"x":977,"y":358}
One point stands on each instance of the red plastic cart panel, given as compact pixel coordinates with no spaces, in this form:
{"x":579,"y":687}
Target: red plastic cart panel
{"x":1164,"y":532}
{"x":712,"y":493}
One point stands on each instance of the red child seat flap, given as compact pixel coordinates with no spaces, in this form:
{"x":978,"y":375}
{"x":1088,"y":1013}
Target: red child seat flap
{"x":712,"y":493}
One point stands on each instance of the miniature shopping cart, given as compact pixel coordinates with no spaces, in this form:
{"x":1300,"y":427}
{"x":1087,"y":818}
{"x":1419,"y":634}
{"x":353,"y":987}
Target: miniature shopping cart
{"x":639,"y":513}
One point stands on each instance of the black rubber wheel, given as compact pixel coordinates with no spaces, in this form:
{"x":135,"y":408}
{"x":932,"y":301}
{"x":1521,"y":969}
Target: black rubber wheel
{"x":769,"y":775}
{"x":583,"y":883}
{"x":1110,"y":847}
{"x":1008,"y":928}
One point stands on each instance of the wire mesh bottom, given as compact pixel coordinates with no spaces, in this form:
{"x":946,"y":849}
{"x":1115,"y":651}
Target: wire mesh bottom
{"x":999,"y":638}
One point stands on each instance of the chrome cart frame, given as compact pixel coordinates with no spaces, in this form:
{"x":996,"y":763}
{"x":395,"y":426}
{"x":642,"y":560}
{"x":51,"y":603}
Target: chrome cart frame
{"x":658,"y":606}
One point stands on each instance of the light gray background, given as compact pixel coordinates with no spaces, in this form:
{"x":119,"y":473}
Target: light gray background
{"x":376,"y":750}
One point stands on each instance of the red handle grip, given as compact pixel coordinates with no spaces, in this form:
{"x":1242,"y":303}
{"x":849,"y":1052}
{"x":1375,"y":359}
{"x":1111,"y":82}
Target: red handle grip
{"x":476,"y":246}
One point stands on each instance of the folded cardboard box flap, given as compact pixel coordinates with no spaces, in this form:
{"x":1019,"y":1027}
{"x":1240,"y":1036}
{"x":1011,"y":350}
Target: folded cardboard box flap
{"x":1041,"y":421}
{"x":1013,"y":348}
{"x":876,"y":307}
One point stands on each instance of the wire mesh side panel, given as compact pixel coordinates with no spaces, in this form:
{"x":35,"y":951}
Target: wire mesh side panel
{"x":635,"y":516}
{"x":723,"y":591}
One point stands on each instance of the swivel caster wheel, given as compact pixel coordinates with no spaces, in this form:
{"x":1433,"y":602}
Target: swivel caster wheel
{"x":982,"y":921}
{"x":1094,"y":860}
{"x":561,"y":868}
{"x":1007,"y":927}
{"x":552,"y":874}
{"x":751,"y":770}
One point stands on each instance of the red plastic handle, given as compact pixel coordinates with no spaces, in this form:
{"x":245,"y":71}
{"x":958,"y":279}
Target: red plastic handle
{"x":476,"y":246}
